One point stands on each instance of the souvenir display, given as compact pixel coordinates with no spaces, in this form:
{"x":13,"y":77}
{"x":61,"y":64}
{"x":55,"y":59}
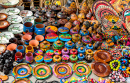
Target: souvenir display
{"x":22,"y":70}
{"x":65,"y":37}
{"x":101,"y":69}
{"x":56,"y":58}
{"x":65,"y":51}
{"x":38,"y":59}
{"x":102,"y":56}
{"x":23,"y":80}
{"x":61,"y":32}
{"x":62,"y":70}
{"x":65,"y":58}
{"x":81,"y":69}
{"x":9,"y":3}
{"x":42,"y":71}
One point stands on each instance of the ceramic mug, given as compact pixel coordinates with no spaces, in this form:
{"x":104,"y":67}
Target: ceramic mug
{"x":20,"y":48}
{"x":29,"y":57}
{"x":18,"y":57}
{"x":39,"y":29}
{"x":38,"y":21}
{"x":29,"y":49}
{"x":28,"y":28}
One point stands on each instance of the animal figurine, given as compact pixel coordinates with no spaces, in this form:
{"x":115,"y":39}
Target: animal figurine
{"x":84,"y":7}
{"x":70,"y":7}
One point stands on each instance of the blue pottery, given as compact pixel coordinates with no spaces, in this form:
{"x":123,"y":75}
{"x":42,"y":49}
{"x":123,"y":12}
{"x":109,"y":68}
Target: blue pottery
{"x":38,"y":21}
{"x":81,"y":56}
{"x":28,"y":28}
{"x":39,"y":29}
{"x":84,"y":32}
{"x":81,"y":50}
{"x":20,"y":48}
{"x":89,"y":46}
{"x":69,"y":45}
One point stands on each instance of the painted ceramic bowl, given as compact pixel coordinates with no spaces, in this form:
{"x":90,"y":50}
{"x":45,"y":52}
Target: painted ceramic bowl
{"x":16,"y":28}
{"x":63,"y":30}
{"x":51,"y":37}
{"x":51,"y":29}
{"x":23,"y":80}
{"x":65,"y":37}
{"x":14,"y":19}
{"x":25,"y":13}
{"x":9,"y":3}
{"x":4,"y":24}
{"x":58,"y":45}
{"x":12,"y":11}
{"x":29,"y":19}
{"x":3,"y":16}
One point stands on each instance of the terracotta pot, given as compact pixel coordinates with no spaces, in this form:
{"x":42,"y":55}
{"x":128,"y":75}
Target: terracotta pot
{"x":4,"y":24}
{"x":27,"y":38}
{"x":18,"y":57}
{"x":29,"y":57}
{"x":12,"y":47}
{"x":34,"y":43}
{"x":39,"y":38}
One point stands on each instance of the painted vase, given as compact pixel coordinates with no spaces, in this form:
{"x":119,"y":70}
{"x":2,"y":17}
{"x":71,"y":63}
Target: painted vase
{"x":56,"y":58}
{"x":81,"y":56}
{"x":18,"y":57}
{"x":28,"y":28}
{"x":29,"y":49}
{"x":26,"y":38}
{"x":69,"y":45}
{"x":73,"y":51}
{"x":73,"y":58}
{"x":39,"y":59}
{"x":65,"y":58}
{"x":76,"y":37}
{"x":29,"y":57}
{"x":79,"y":44}
{"x":20,"y":48}
{"x":65,"y":51}
{"x":39,"y":29}
{"x":89,"y":46}
{"x":81,"y":50}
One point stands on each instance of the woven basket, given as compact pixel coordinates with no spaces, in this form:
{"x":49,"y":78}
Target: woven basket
{"x":63,"y":2}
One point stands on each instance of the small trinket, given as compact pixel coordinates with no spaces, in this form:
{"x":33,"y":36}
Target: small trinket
{"x":73,"y":58}
{"x":65,"y":51}
{"x":49,"y":52}
{"x":45,"y":45}
{"x":84,"y":32}
{"x":57,"y":52}
{"x":73,"y":51}
{"x":47,"y":59}
{"x":39,"y":59}
{"x":89,"y":46}
{"x":79,"y":44}
{"x":81,"y":50}
{"x":86,"y":39}
{"x":38,"y":52}
{"x":76,"y":37}
{"x":65,"y":58}
{"x":74,"y":31}
{"x":56,"y":58}
{"x":81,"y":56}
{"x":58,"y":45}
{"x":69,"y":45}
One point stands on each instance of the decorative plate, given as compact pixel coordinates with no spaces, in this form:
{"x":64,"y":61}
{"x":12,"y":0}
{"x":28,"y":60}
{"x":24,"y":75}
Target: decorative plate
{"x":102,"y":56}
{"x":3,"y":16}
{"x":62,"y":70}
{"x":22,"y":70}
{"x":23,"y":80}
{"x":111,"y":22}
{"x":12,"y":11}
{"x":25,"y":13}
{"x":5,"y":36}
{"x":65,"y":37}
{"x":2,"y":48}
{"x":14,"y":19}
{"x":29,"y":19}
{"x":42,"y":71}
{"x":101,"y":69}
{"x":16,"y":28}
{"x":51,"y":37}
{"x":81,"y":69}
{"x":97,"y":3}
{"x":63,"y":30}
{"x":4,"y":24}
{"x":104,"y":10}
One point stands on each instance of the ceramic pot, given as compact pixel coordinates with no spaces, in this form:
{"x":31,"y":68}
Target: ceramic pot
{"x":26,"y":38}
{"x":57,"y":59}
{"x":18,"y":57}
{"x":38,"y":21}
{"x":20,"y":48}
{"x":4,"y":24}
{"x":39,"y":38}
{"x":29,"y":49}
{"x":29,"y":57}
{"x":11,"y":47}
{"x":28,"y":28}
{"x":26,"y":4}
{"x":3,"y":16}
{"x":34,"y":44}
{"x":39,"y":29}
{"x":65,"y":51}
